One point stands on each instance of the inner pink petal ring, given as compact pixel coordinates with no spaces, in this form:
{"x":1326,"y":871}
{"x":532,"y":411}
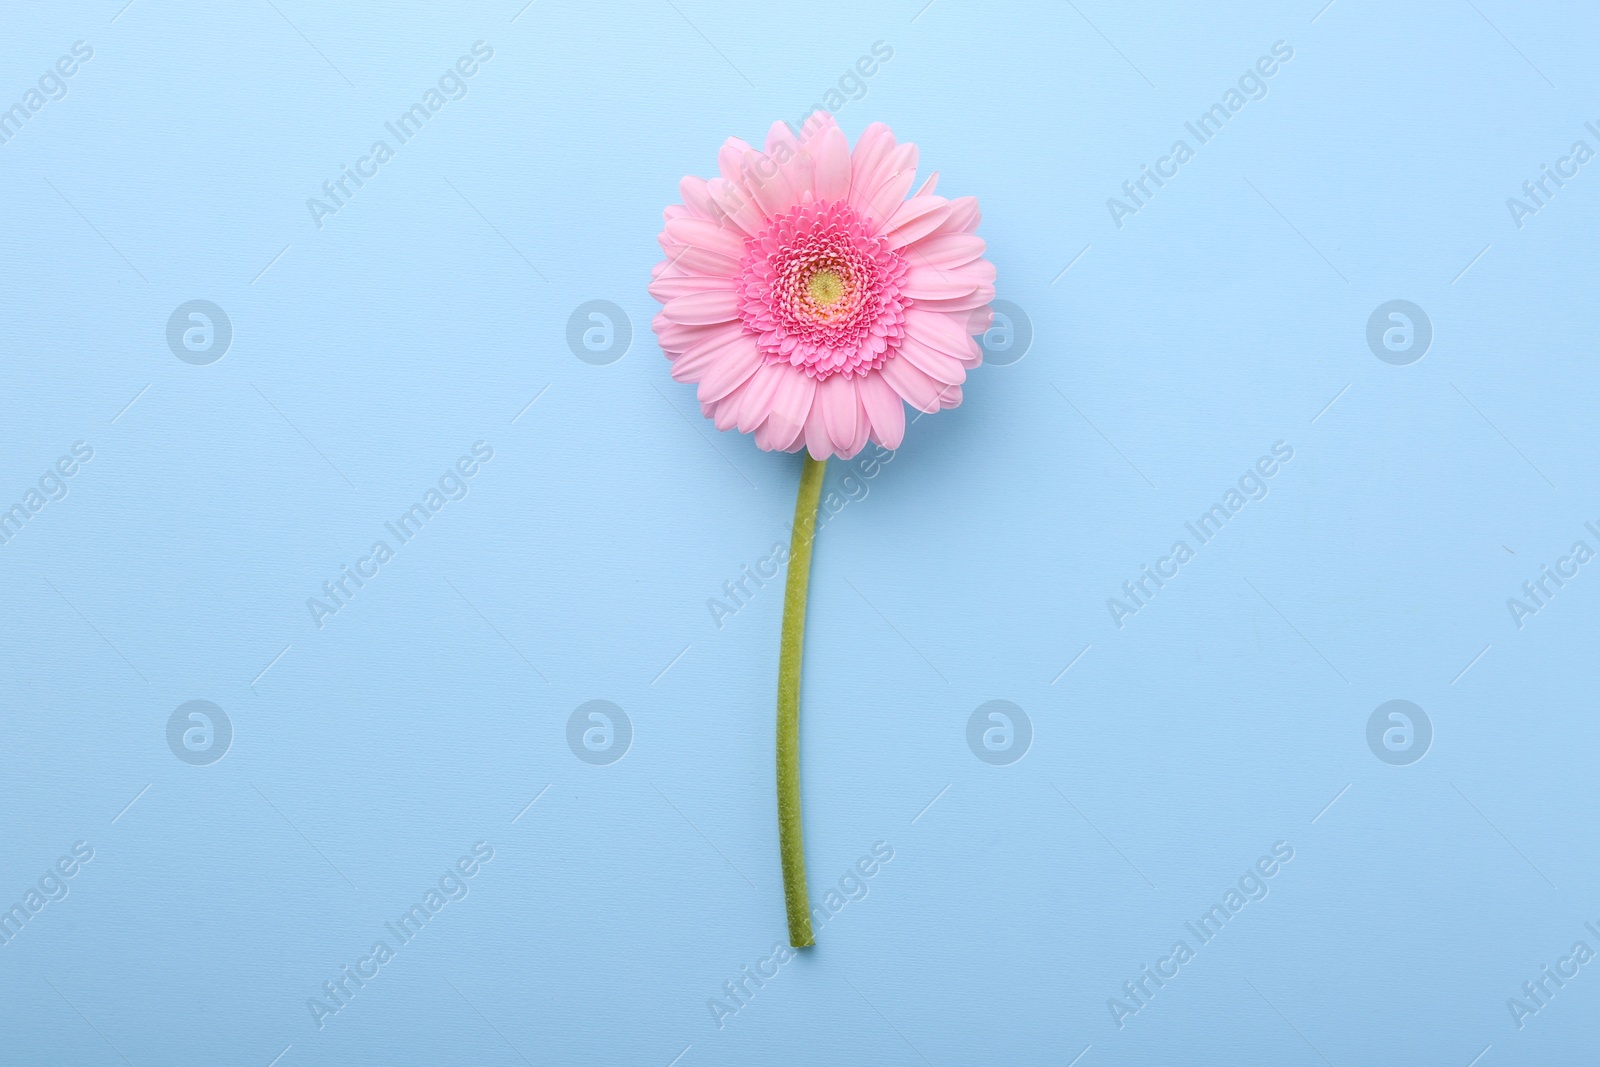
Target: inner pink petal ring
{"x":821,"y":292}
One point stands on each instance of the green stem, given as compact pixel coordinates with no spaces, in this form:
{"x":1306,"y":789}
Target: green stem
{"x":791,"y":845}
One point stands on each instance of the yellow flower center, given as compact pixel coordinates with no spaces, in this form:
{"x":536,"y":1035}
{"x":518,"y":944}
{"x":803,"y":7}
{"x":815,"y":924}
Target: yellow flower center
{"x":826,"y":287}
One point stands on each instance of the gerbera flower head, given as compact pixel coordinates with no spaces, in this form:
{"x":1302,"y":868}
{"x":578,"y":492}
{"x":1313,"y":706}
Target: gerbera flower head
{"x":811,"y":299}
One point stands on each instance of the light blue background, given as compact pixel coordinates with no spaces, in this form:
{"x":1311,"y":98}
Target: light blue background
{"x":369,"y":354}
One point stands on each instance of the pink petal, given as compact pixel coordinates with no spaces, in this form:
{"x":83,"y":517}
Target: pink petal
{"x":863,"y":426}
{"x":792,"y":403}
{"x":702,"y":233}
{"x":970,"y":302}
{"x":732,"y":369}
{"x":664,"y":289}
{"x":730,"y":160}
{"x":720,"y":305}
{"x":802,"y":174}
{"x":964,"y":215}
{"x":883,"y":408}
{"x":690,"y":259}
{"x":694,"y":362}
{"x":892,"y":190}
{"x":697,"y":198}
{"x":755,"y":403}
{"x":832,"y":152}
{"x":724,"y":411}
{"x":945,"y":249}
{"x":816,"y":124}
{"x":931,"y":283}
{"x":678,"y":336}
{"x":982,"y":272}
{"x":818,"y":441}
{"x":774,"y":436}
{"x":867,"y":162}
{"x":767,"y":183}
{"x":918,"y":390}
{"x":687,"y":259}
{"x":688,"y":372}
{"x":915,"y":219}
{"x":943,"y":333}
{"x":836,"y":398}
{"x":780,"y":133}
{"x":945,"y":369}
{"x":737,"y":204}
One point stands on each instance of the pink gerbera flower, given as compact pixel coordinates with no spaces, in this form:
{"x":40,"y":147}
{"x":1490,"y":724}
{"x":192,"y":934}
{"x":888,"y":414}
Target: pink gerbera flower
{"x":809,"y":297}
{"x":811,"y":300}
